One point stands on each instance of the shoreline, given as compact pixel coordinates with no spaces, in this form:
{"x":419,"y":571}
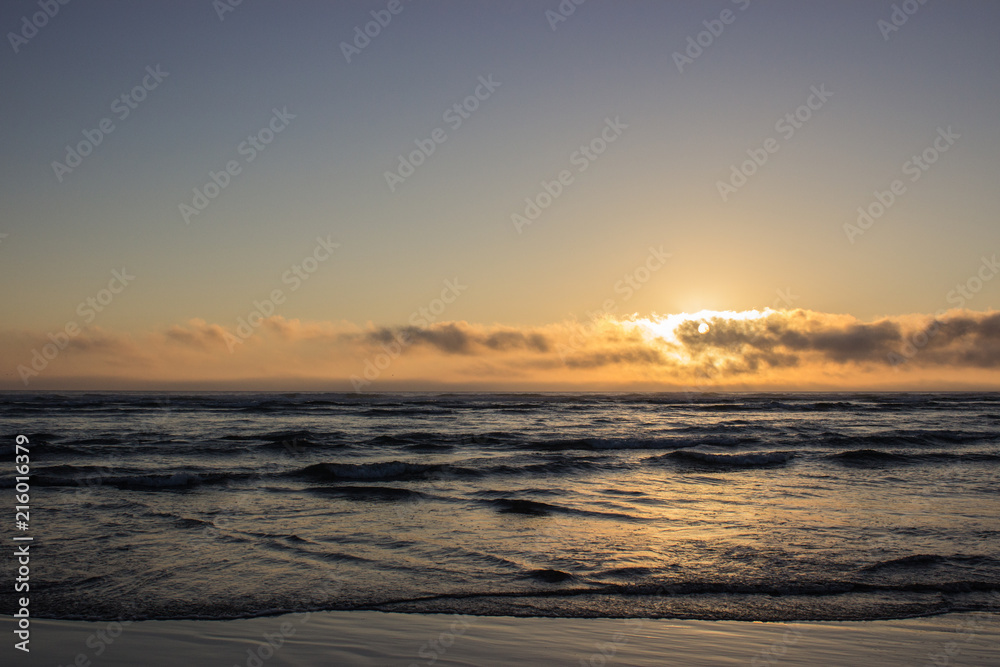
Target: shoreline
{"x":392,"y":638}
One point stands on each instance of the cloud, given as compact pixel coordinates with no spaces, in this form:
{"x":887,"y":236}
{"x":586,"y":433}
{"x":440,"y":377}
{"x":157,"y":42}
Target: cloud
{"x":788,"y":338}
{"x":198,"y":334}
{"x":464,"y":338}
{"x":748,"y":349}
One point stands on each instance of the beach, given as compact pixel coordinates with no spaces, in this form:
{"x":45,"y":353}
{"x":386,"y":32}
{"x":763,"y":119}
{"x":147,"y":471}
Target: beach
{"x":375,"y":638}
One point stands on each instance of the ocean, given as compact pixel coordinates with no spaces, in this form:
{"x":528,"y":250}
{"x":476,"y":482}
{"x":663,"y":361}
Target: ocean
{"x":791,"y":506}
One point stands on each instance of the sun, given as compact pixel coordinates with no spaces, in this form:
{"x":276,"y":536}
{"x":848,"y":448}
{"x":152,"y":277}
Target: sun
{"x":664,"y":327}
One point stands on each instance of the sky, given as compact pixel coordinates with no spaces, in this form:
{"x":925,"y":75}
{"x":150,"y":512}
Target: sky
{"x":731,"y":194}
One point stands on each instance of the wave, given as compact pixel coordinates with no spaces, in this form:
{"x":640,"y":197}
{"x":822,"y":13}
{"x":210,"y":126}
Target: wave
{"x":550,"y":576}
{"x":297,"y":444}
{"x":786,"y":404}
{"x":282,"y":436}
{"x":436,"y":439}
{"x":522,"y":407}
{"x":393,"y":470}
{"x":875,"y":457}
{"x":403,"y":411}
{"x":789,"y":588}
{"x":902,"y":437}
{"x":400,"y":470}
{"x":565,"y":594}
{"x":67,"y":469}
{"x":592,"y":444}
{"x":867,"y":456}
{"x":429,"y":447}
{"x":374,"y":493}
{"x":90,"y":477}
{"x":576,"y":464}
{"x":925,"y":560}
{"x":734,"y":407}
{"x":190,"y":522}
{"x":494,"y":494}
{"x":177,"y":480}
{"x":519,"y":506}
{"x":388,"y":470}
{"x":749,"y":460}
{"x":100,"y":440}
{"x":537,"y":508}
{"x":569,"y":444}
{"x":831,"y":405}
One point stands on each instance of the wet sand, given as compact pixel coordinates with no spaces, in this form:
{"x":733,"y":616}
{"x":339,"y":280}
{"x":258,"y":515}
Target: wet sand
{"x":375,"y":638}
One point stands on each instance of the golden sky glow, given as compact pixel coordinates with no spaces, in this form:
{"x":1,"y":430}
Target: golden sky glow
{"x":756,"y":349}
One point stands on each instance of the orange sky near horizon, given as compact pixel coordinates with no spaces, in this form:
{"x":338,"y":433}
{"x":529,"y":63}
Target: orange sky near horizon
{"x":705,"y":351}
